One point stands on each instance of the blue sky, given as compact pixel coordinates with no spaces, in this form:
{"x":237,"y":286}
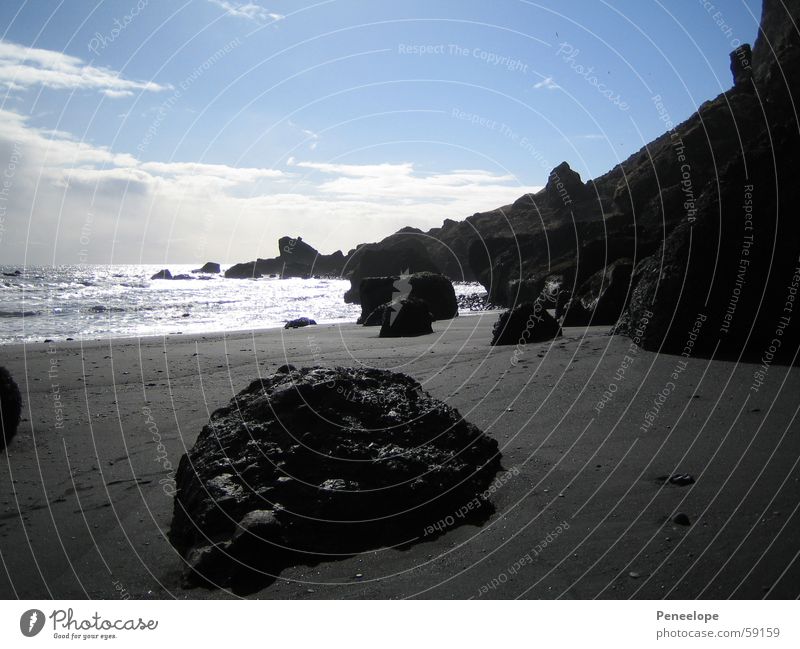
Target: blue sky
{"x":179,"y":131}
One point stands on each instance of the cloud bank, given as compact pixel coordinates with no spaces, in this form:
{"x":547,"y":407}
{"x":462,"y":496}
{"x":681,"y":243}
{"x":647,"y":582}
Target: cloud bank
{"x":25,"y":67}
{"x":69,"y":201}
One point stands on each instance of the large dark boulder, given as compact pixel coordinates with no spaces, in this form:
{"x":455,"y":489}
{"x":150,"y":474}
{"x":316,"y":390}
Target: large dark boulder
{"x":600,"y":300}
{"x":315,"y":463}
{"x":10,"y":407}
{"x":574,"y":314}
{"x":527,"y":323}
{"x":162,"y":274}
{"x":375,"y":318}
{"x":435,"y":290}
{"x":401,"y":254}
{"x":406,"y":318}
{"x":209,"y":267}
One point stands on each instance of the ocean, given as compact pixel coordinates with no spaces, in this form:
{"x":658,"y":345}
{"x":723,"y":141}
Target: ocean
{"x":95,"y":302}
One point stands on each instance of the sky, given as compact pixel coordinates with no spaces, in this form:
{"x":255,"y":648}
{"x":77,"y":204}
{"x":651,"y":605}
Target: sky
{"x":144,"y":131}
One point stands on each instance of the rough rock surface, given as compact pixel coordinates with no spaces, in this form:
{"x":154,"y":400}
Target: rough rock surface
{"x":529,"y":322}
{"x":406,"y":318}
{"x":602,"y":298}
{"x":403,"y":253}
{"x":10,"y":407}
{"x":299,"y":322}
{"x":724,"y":281}
{"x":317,"y":462}
{"x":435,"y":290}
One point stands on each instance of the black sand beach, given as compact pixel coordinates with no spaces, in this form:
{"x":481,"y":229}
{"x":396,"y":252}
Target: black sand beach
{"x":581,"y":511}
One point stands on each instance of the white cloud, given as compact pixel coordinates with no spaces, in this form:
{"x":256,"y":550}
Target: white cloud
{"x":401,"y":182}
{"x":23,"y":67}
{"x":117,"y":94}
{"x":190,"y":212}
{"x":547,"y":83}
{"x":248,"y":10}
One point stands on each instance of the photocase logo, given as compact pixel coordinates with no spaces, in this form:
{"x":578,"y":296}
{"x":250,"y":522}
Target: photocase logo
{"x":31,"y":622}
{"x":401,"y":286}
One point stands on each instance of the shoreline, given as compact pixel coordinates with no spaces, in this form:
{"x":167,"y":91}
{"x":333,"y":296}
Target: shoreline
{"x":86,"y":479}
{"x":15,"y":346}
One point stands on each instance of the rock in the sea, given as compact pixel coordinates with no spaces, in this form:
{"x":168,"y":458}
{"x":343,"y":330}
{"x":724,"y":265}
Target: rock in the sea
{"x":209,"y":267}
{"x":406,"y":318}
{"x":162,"y":274}
{"x":435,"y":290}
{"x":527,"y":323}
{"x":313,"y":463}
{"x":299,"y":322}
{"x":10,"y":407}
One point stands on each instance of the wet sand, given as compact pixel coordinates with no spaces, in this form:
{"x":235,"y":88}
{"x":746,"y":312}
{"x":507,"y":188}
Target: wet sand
{"x":86,"y":486}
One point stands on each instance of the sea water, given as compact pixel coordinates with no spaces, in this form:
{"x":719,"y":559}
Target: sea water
{"x":93,"y":302}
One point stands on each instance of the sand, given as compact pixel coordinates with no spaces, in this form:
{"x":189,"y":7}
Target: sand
{"x":86,"y":487}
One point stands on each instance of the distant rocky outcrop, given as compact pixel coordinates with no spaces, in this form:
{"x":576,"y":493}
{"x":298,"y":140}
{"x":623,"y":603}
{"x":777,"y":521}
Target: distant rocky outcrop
{"x":10,"y":407}
{"x":162,"y":274}
{"x":527,"y":323}
{"x":312,"y":464}
{"x":209,"y":267}
{"x":296,"y":258}
{"x":405,"y":318}
{"x":435,"y":290}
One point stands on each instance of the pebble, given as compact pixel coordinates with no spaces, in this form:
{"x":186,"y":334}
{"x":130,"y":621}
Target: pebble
{"x":682,"y":519}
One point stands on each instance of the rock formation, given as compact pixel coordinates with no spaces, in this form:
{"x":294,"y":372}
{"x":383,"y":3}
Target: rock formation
{"x":724,"y":281}
{"x":299,"y":322}
{"x":602,"y":298}
{"x":435,"y":290}
{"x":10,"y":407}
{"x":741,"y":64}
{"x":209,"y":267}
{"x":310,"y":464}
{"x":296,"y":258}
{"x":162,"y":274}
{"x":527,"y":323}
{"x":405,"y":318}
{"x":401,"y":254}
